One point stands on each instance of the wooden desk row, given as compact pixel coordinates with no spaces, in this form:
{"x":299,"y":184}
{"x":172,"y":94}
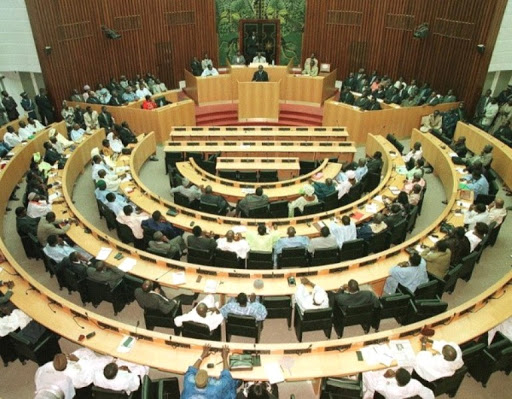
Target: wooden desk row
{"x":477,"y":139}
{"x":286,"y":168}
{"x":277,"y":133}
{"x":312,"y":151}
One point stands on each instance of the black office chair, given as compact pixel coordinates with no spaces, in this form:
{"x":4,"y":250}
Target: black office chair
{"x":42,"y":351}
{"x":181,"y":200}
{"x":260,"y":260}
{"x":71,"y":281}
{"x":307,"y":166}
{"x":354,"y":193}
{"x":472,"y":353}
{"x":268,"y":176}
{"x":248,"y":176}
{"x":448,"y":385}
{"x":468,"y":265}
{"x":99,"y":292}
{"x":331,"y":201}
{"x":125,"y":234}
{"x":411,"y":219}
{"x":206,"y":207}
{"x":164,"y":388}
{"x":260,"y":212}
{"x":292,"y":257}
{"x":197,"y":156}
{"x":101,"y":393}
{"x":354,"y":249}
{"x":312,"y":320}
{"x":192,"y":329}
{"x":391,"y":306}
{"x":200,"y":256}
{"x":371,"y":182}
{"x":426,"y":290}
{"x":279,"y":307}
{"x":31,"y":248}
{"x":36,"y":247}
{"x":170,"y":160}
{"x":209,"y":166}
{"x":311,"y":209}
{"x":342,"y":388}
{"x":423,"y":309}
{"x":484,"y":199}
{"x":325,"y":256}
{"x":352,"y":315}
{"x":496,"y":357}
{"x":398,"y":232}
{"x":379,"y":242}
{"x":493,"y":234}
{"x":393,"y":140}
{"x":243,"y":326}
{"x":226,"y":259}
{"x":278,"y":209}
{"x":155,"y":318}
{"x":7,"y":351}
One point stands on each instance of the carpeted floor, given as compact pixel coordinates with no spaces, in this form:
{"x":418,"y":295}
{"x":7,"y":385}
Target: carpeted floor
{"x":16,"y":381}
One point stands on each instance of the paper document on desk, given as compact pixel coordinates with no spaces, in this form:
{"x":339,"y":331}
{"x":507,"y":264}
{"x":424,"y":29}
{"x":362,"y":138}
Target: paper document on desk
{"x":247,"y":190}
{"x":274,"y":372}
{"x":378,"y":198}
{"x":126,"y":344}
{"x":52,"y":197}
{"x":395,"y":190}
{"x":403,"y":353}
{"x":211,"y":286}
{"x":128,"y":177}
{"x":178,"y":278}
{"x":127,"y":264}
{"x":239,"y":229}
{"x":104,"y":253}
{"x":375,"y":354}
{"x":371,"y":208}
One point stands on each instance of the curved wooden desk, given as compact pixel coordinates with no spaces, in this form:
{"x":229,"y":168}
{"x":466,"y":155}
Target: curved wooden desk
{"x":278,"y":133}
{"x":175,"y":354}
{"x":477,"y":139}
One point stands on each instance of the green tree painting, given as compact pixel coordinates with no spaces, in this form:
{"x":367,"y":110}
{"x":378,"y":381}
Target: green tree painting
{"x":289,"y":12}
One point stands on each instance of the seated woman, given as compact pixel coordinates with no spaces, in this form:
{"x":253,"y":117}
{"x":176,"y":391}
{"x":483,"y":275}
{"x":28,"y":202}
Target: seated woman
{"x":308,"y":198}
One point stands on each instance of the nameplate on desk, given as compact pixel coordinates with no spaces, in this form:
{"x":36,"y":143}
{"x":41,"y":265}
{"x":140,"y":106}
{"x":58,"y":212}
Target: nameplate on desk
{"x":284,"y":144}
{"x":105,"y":326}
{"x":213,"y":143}
{"x":245,"y":160}
{"x":239,"y":275}
{"x":288,"y":160}
{"x":196,"y":129}
{"x":213,"y":129}
{"x":325,"y":144}
{"x":284,"y":129}
{"x":268,"y":143}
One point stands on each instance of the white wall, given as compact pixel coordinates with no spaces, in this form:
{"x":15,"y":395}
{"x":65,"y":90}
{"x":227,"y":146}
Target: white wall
{"x":502,"y":57}
{"x":17,"y":47}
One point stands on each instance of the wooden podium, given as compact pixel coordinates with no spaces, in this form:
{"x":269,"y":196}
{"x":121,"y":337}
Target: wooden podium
{"x":258,"y":101}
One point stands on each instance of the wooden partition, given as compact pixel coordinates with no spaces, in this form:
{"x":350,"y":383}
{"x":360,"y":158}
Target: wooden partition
{"x":258,"y":101}
{"x":397,"y":120}
{"x":277,"y":73}
{"x":159,"y":120}
{"x":15,"y":124}
{"x":477,"y":139}
{"x":302,"y":89}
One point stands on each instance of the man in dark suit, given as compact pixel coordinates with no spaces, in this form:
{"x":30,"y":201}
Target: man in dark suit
{"x":45,"y":107}
{"x":25,"y":225}
{"x":260,"y":75}
{"x":102,"y":274}
{"x":116,"y":100}
{"x":198,"y":241}
{"x":394,"y":217}
{"x":126,"y":135}
{"x":10,"y":106}
{"x":350,"y":295}
{"x":105,"y":118}
{"x":151,"y":296}
{"x":75,"y":264}
{"x":346,"y":97}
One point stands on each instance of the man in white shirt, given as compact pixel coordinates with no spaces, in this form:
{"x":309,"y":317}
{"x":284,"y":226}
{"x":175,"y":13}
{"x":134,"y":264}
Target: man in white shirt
{"x":344,"y":186}
{"x":133,"y":221}
{"x":23,"y":132}
{"x":474,"y":236}
{"x":445,"y":363}
{"x":394,"y":385}
{"x":305,"y":300}
{"x":361,"y":169}
{"x":11,"y":138}
{"x":188,"y":190}
{"x":210,"y":71}
{"x":234,"y":243}
{"x":259,"y":59}
{"x":497,"y":211}
{"x":326,"y":240}
{"x":36,"y":207}
{"x":476,"y":213}
{"x":97,"y":165}
{"x":112,"y":181}
{"x":91,"y":119}
{"x":11,"y":319}
{"x":76,"y":133}
{"x":117,"y":378}
{"x":346,"y":231}
{"x":414,"y":154}
{"x":116,"y":203}
{"x":34,"y":125}
{"x":57,"y":249}
{"x":206,"y":312}
{"x":206,"y":61}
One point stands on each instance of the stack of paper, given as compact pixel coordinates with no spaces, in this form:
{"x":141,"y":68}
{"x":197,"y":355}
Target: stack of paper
{"x":126,"y":344}
{"x":371,"y":208}
{"x":104,"y":253}
{"x":178,"y":278}
{"x":403,"y":353}
{"x":211,"y":286}
{"x":127,"y":264}
{"x":375,"y":354}
{"x":395,"y":190}
{"x":274,"y":372}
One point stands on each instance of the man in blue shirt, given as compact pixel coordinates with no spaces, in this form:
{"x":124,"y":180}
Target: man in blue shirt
{"x":322,"y":190}
{"x":289,"y":242}
{"x":197,"y":384}
{"x":158,"y":223}
{"x":245,"y":307}
{"x":410,"y":274}
{"x":476,"y":183}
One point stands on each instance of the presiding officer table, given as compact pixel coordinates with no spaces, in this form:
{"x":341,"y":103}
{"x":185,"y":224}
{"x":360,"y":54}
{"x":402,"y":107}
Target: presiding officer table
{"x":287,"y":168}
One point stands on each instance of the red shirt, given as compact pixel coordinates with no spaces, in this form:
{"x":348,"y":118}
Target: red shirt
{"x":149,"y":105}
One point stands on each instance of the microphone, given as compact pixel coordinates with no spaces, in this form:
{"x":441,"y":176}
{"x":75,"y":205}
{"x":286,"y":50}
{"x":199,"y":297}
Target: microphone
{"x":136,"y":327}
{"x":159,"y":277}
{"x":76,"y":322}
{"x":51,"y":302}
{"x":29,"y":289}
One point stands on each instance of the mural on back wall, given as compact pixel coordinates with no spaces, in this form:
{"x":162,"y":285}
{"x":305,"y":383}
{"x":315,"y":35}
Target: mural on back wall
{"x":290,"y":14}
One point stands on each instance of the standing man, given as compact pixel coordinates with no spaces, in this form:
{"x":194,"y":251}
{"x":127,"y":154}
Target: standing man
{"x":45,"y":107}
{"x":260,"y":75}
{"x":105,"y":118}
{"x":10,"y":106}
{"x":28,"y":105}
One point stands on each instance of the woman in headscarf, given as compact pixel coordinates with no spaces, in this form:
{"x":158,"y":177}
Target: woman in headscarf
{"x":308,"y":198}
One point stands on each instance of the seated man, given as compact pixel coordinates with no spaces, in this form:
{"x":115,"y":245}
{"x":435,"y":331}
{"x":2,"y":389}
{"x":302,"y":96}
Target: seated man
{"x":413,"y":155}
{"x":252,"y":201}
{"x":292,"y":241}
{"x":305,"y":300}
{"x":459,"y":147}
{"x":209,"y":198}
{"x":112,"y":181}
{"x":11,"y":318}
{"x":415,"y":195}
{"x":206,"y":312}
{"x":238,"y":59}
{"x":504,"y":133}
{"x":129,"y":96}
{"x":417,"y":168}
{"x":445,"y":363}
{"x":394,"y":384}
{"x":368,"y":230}
{"x":148,"y":103}
{"x":116,"y":203}
{"x":346,"y":96}
{"x":234,"y":243}
{"x":476,"y":235}
{"x":117,"y":378}
{"x":476,"y":182}
{"x":497,"y":211}
{"x":126,"y":134}
{"x":197,"y":240}
{"x":344,"y":186}
{"x":438,"y":258}
{"x":375,"y":163}
{"x":23,"y":133}
{"x":326,"y":240}
{"x":103,"y":274}
{"x":57,"y":249}
{"x":132,"y":220}
{"x":361,"y":169}
{"x":476,"y":213}
{"x":101,"y":192}
{"x":151,"y":296}
{"x":432,"y":123}
{"x":310,"y":69}
{"x":244,"y":306}
{"x":48,"y":226}
{"x":417,"y":179}
{"x":197,"y":384}
{"x":322,"y":190}
{"x":308,"y":198}
{"x":11,"y":138}
{"x":344,"y":232}
{"x":76,"y":133}
{"x":260,"y":75}
{"x":25,"y":224}
{"x":262,"y":241}
{"x":259,"y":58}
{"x":187,"y":189}
{"x":91,"y":119}
{"x":158,"y":223}
{"x":169,"y":248}
{"x":77,"y":263}
{"x":485,"y":157}
{"x":410,"y":274}
{"x":97,"y":165}
{"x":350,"y":295}
{"x":210,"y":71}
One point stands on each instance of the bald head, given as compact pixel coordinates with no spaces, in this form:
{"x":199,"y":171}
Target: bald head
{"x":202,"y":309}
{"x":147,"y":286}
{"x":291,"y":231}
{"x":449,"y":353}
{"x":499,"y":203}
{"x":60,"y":362}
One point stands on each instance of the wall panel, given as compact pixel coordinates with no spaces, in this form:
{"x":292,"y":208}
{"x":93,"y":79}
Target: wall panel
{"x":158,"y":36}
{"x":381,"y":38}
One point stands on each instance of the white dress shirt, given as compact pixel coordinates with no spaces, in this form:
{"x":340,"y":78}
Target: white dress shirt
{"x":240,"y":247}
{"x":212,"y":319}
{"x":97,"y":167}
{"x":471,"y":218}
{"x":390,"y":389}
{"x":124,"y":381}
{"x":497,"y":215}
{"x":343,"y":233}
{"x":9,"y":323}
{"x":304,"y":299}
{"x":474,"y":240}
{"x":58,"y":252}
{"x":431,"y":367}
{"x":24,"y":133}
{"x":12,"y":139}
{"x":55,"y":380}
{"x":37,"y":209}
{"x":343,"y":188}
{"x":115,"y":144}
{"x":209,"y":72}
{"x":416,"y":155}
